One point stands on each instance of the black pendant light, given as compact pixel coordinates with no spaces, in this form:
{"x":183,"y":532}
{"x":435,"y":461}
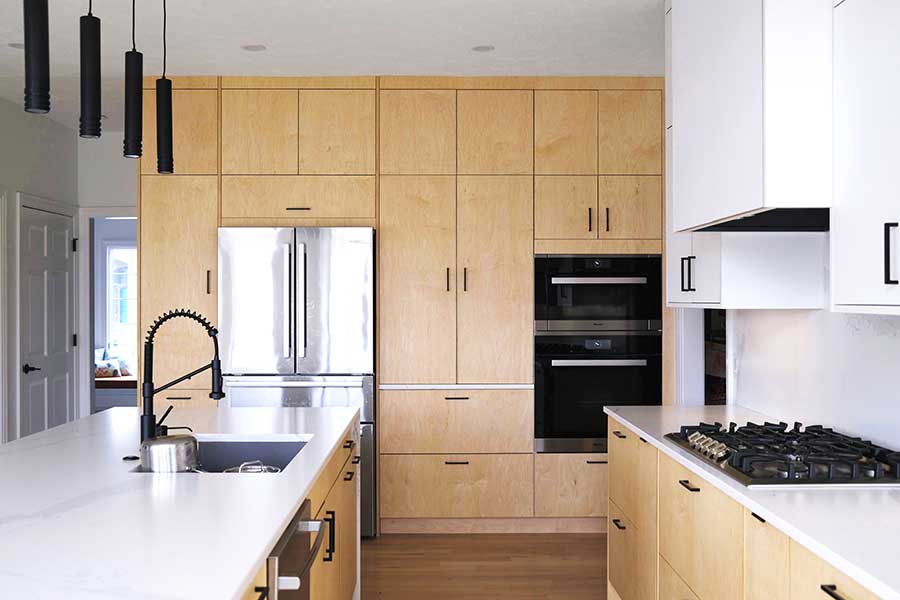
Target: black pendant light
{"x":164,"y":162}
{"x":134,"y":96}
{"x":89,"y":124}
{"x":37,"y":56}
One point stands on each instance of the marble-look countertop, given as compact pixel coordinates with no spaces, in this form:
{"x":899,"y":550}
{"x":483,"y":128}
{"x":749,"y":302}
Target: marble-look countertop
{"x":854,"y":528}
{"x":77,"y":522}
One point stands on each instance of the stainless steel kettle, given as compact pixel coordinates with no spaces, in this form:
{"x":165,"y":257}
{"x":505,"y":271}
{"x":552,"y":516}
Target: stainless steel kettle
{"x":170,"y":454}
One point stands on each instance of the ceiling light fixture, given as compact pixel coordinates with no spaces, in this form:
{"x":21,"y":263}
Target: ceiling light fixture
{"x":164,"y":161}
{"x":253,"y":47}
{"x":89,"y":124}
{"x":134,"y":97}
{"x":483,"y":48}
{"x":37,"y":57}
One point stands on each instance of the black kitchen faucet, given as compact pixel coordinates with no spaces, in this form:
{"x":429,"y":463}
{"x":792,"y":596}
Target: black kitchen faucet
{"x":149,"y":427}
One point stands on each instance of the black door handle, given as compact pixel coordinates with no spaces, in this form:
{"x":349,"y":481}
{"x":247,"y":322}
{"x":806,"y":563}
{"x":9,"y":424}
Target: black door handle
{"x":618,"y":524}
{"x":887,"y":254}
{"x":331,"y":519}
{"x":686,"y":484}
{"x":590,"y":218}
{"x":26,"y":368}
{"x":683,"y":260}
{"x":831,"y":590}
{"x":620,"y":435}
{"x":690,"y":275}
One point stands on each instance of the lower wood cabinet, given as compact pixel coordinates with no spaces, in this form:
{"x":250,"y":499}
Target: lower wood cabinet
{"x":632,"y":557}
{"x":766,"y":560}
{"x":814,"y":579}
{"x":570,"y":485}
{"x":325,"y":574}
{"x":671,"y":586}
{"x":348,"y":529}
{"x":456,"y":485}
{"x":632,"y":474}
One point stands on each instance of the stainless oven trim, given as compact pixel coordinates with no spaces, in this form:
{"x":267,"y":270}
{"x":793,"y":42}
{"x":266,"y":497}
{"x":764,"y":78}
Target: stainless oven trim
{"x":571,"y":445}
{"x":599,"y":362}
{"x":607,"y":325}
{"x":598,"y":280}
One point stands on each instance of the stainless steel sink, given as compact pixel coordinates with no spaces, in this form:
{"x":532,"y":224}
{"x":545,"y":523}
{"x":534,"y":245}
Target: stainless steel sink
{"x":222,"y":453}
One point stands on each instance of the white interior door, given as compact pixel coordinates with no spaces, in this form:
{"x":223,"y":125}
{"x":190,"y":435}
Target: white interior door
{"x":46,"y":397}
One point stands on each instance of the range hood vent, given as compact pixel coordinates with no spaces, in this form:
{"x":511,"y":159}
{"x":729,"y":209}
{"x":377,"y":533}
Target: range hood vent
{"x":778,"y":219}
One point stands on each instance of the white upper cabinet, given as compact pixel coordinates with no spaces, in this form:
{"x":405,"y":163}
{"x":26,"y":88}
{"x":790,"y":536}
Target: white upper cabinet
{"x":750,"y":94}
{"x":866,"y":211}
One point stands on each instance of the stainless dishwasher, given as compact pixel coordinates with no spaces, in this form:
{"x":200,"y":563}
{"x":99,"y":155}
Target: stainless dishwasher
{"x":289,"y":563}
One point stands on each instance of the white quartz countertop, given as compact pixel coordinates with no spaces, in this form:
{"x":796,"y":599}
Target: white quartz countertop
{"x":855,"y":529}
{"x":77,"y":522}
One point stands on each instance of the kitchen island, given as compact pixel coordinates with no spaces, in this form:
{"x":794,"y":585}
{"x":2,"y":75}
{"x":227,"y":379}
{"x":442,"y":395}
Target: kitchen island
{"x":77,"y":521}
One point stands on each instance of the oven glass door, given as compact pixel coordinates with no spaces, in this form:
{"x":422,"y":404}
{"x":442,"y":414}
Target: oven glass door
{"x":590,"y":293}
{"x":577,"y":376}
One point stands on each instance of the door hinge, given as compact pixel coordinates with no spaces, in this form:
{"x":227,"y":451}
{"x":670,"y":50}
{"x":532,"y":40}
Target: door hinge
{"x":74,"y":340}
{"x":74,"y":244}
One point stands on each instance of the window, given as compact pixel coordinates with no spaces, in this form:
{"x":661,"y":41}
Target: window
{"x":121,"y":302}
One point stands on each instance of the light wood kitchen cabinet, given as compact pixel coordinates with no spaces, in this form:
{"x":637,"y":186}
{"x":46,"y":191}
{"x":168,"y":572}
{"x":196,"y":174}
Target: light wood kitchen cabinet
{"x":456,"y":485}
{"x":630,"y":132}
{"x":259,"y":132}
{"x":314,"y":197}
{"x":700,"y":533}
{"x":337,"y":132}
{"x":766,"y":561}
{"x":417,"y":132}
{"x":178,"y":259}
{"x":496,"y":132}
{"x":809,"y":574}
{"x":570,"y":485}
{"x":631,"y":207}
{"x":417,"y":280}
{"x":325,"y":574}
{"x":632,"y":474}
{"x":495,"y":281}
{"x":621,"y":550}
{"x":348,"y":530}
{"x":195,"y":132}
{"x":565,"y":207}
{"x":671,"y":586}
{"x":453,"y":421}
{"x":565,"y":132}
{"x":180,"y":397}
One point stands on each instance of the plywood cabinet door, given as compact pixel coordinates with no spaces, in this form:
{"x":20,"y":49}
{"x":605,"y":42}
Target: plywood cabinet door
{"x":337,"y":132}
{"x":496,"y":132}
{"x":495,"y":280}
{"x":348,"y":529}
{"x":632,"y":475}
{"x":565,"y":132}
{"x":178,"y":258}
{"x":565,"y":208}
{"x":195,"y":132}
{"x":417,"y":132}
{"x":671,"y":586}
{"x":259,"y":132}
{"x":630,"y":132}
{"x":809,"y":573}
{"x":621,"y":552}
{"x":631,"y":208}
{"x":417,"y":283}
{"x":325,"y":573}
{"x":767,"y":561}
{"x":570,"y":485}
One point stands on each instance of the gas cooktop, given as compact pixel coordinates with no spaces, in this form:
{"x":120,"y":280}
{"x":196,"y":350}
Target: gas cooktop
{"x":777,"y":454}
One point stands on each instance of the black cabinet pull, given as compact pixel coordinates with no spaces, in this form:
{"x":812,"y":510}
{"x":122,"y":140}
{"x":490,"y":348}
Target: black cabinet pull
{"x":607,"y":218}
{"x":208,"y":281}
{"x":690,"y":274}
{"x":597,"y":462}
{"x":355,"y":460}
{"x":620,"y":435}
{"x":26,"y":368}
{"x":263,"y":592}
{"x":590,"y":218}
{"x":758,"y":518}
{"x":618,"y":524}
{"x":465,"y":279}
{"x":887,"y":254}
{"x":349,"y":475}
{"x":456,"y":397}
{"x":298,"y":208}
{"x":683,"y":260}
{"x":448,"y":279}
{"x":178,"y":397}
{"x":331,"y":519}
{"x":686,"y":484}
{"x":348,"y":444}
{"x":456,"y":462}
{"x":831,"y":590}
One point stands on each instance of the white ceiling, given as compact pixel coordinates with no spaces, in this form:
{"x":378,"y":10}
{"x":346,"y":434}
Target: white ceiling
{"x":334,"y":37}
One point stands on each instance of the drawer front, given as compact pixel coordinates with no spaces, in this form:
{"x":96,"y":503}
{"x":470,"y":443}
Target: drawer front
{"x":454,"y":421}
{"x":180,"y":398}
{"x":621,"y":542}
{"x":632,"y":475}
{"x":766,"y":561}
{"x":570,"y":485}
{"x":809,"y":573}
{"x":460,"y":485}
{"x":313,"y":197}
{"x":671,"y":586}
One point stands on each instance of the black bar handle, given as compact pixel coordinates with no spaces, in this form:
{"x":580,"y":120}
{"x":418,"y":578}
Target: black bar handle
{"x":298,"y":208}
{"x":349,"y":475}
{"x":686,"y":484}
{"x":831,"y":590}
{"x":348,"y":444}
{"x":887,"y":254}
{"x":618,"y":524}
{"x":683,"y":260}
{"x":465,"y":279}
{"x":448,"y":279}
{"x":178,"y":397}
{"x":607,"y":218}
{"x":590,"y":218}
{"x":690,"y":274}
{"x":597,"y":462}
{"x":620,"y":435}
{"x":208,"y":281}
{"x":758,"y":518}
{"x":262,"y":591}
{"x":456,"y":462}
{"x":355,"y":460}
{"x":331,"y":519}
{"x":456,"y":397}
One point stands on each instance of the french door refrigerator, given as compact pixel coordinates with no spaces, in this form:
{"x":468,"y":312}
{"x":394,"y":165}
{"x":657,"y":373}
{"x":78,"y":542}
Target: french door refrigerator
{"x":296,"y":321}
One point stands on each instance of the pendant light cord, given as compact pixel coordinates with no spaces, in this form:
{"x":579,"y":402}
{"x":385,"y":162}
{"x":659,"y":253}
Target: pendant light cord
{"x":164,"y":40}
{"x":133,"y":43}
{"x":90,"y":7}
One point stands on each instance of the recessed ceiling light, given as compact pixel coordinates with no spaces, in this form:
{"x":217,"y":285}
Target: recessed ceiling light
{"x":253,"y":47}
{"x":17,"y":45}
{"x":484,"y":48}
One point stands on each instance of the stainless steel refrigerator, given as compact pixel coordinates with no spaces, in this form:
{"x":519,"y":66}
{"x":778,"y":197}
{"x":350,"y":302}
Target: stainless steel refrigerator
{"x":296,"y":321}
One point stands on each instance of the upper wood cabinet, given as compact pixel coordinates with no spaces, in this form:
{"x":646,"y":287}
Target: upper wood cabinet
{"x":417,"y":279}
{"x":565,"y":132}
{"x":631,"y":207}
{"x":178,"y":256}
{"x":259,"y":132}
{"x":565,"y":207}
{"x":496,"y":132}
{"x":195,"y":137}
{"x":313,"y":197}
{"x":337,"y":132}
{"x":417,"y":132}
{"x":630,"y":132}
{"x":495,"y":280}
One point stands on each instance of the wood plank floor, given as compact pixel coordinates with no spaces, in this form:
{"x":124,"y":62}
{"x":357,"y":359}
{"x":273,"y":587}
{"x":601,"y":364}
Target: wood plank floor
{"x":496,"y":567}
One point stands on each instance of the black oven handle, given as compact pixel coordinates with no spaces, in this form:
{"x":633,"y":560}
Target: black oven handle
{"x":599,"y":362}
{"x":598,"y":280}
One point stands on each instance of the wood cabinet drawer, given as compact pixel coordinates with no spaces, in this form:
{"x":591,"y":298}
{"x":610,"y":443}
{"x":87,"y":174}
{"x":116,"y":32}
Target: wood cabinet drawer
{"x":700,"y":533}
{"x":565,"y":207}
{"x":570,"y":485}
{"x":455,"y":421}
{"x":766,"y":561}
{"x":459,"y":485}
{"x":621,"y":542}
{"x":671,"y":586}
{"x":314,"y":197}
{"x":333,"y":469}
{"x":181,"y":398}
{"x":809,"y":573}
{"x":632,"y":474}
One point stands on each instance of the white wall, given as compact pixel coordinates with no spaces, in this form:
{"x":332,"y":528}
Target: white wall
{"x":838,"y":370}
{"x":105,"y":177}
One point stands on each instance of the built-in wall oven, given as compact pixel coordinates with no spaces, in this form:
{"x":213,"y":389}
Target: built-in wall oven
{"x":598,"y":342}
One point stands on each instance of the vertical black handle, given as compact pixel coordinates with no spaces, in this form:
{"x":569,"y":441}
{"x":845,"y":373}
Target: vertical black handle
{"x":590,"y":218}
{"x":620,"y":435}
{"x":331,"y":519}
{"x":465,"y":279}
{"x":448,"y":279}
{"x":683,"y":260}
{"x":690,"y":274}
{"x":607,"y":218}
{"x":208,"y":281}
{"x":887,"y":254}
{"x":831,"y":590}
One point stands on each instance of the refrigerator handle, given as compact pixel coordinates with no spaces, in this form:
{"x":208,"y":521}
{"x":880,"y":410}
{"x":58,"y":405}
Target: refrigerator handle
{"x":301,"y":300}
{"x":286,"y":328}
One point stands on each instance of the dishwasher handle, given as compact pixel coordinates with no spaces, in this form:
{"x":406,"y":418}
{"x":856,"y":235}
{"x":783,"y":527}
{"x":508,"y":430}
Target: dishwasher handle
{"x":291,"y":582}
